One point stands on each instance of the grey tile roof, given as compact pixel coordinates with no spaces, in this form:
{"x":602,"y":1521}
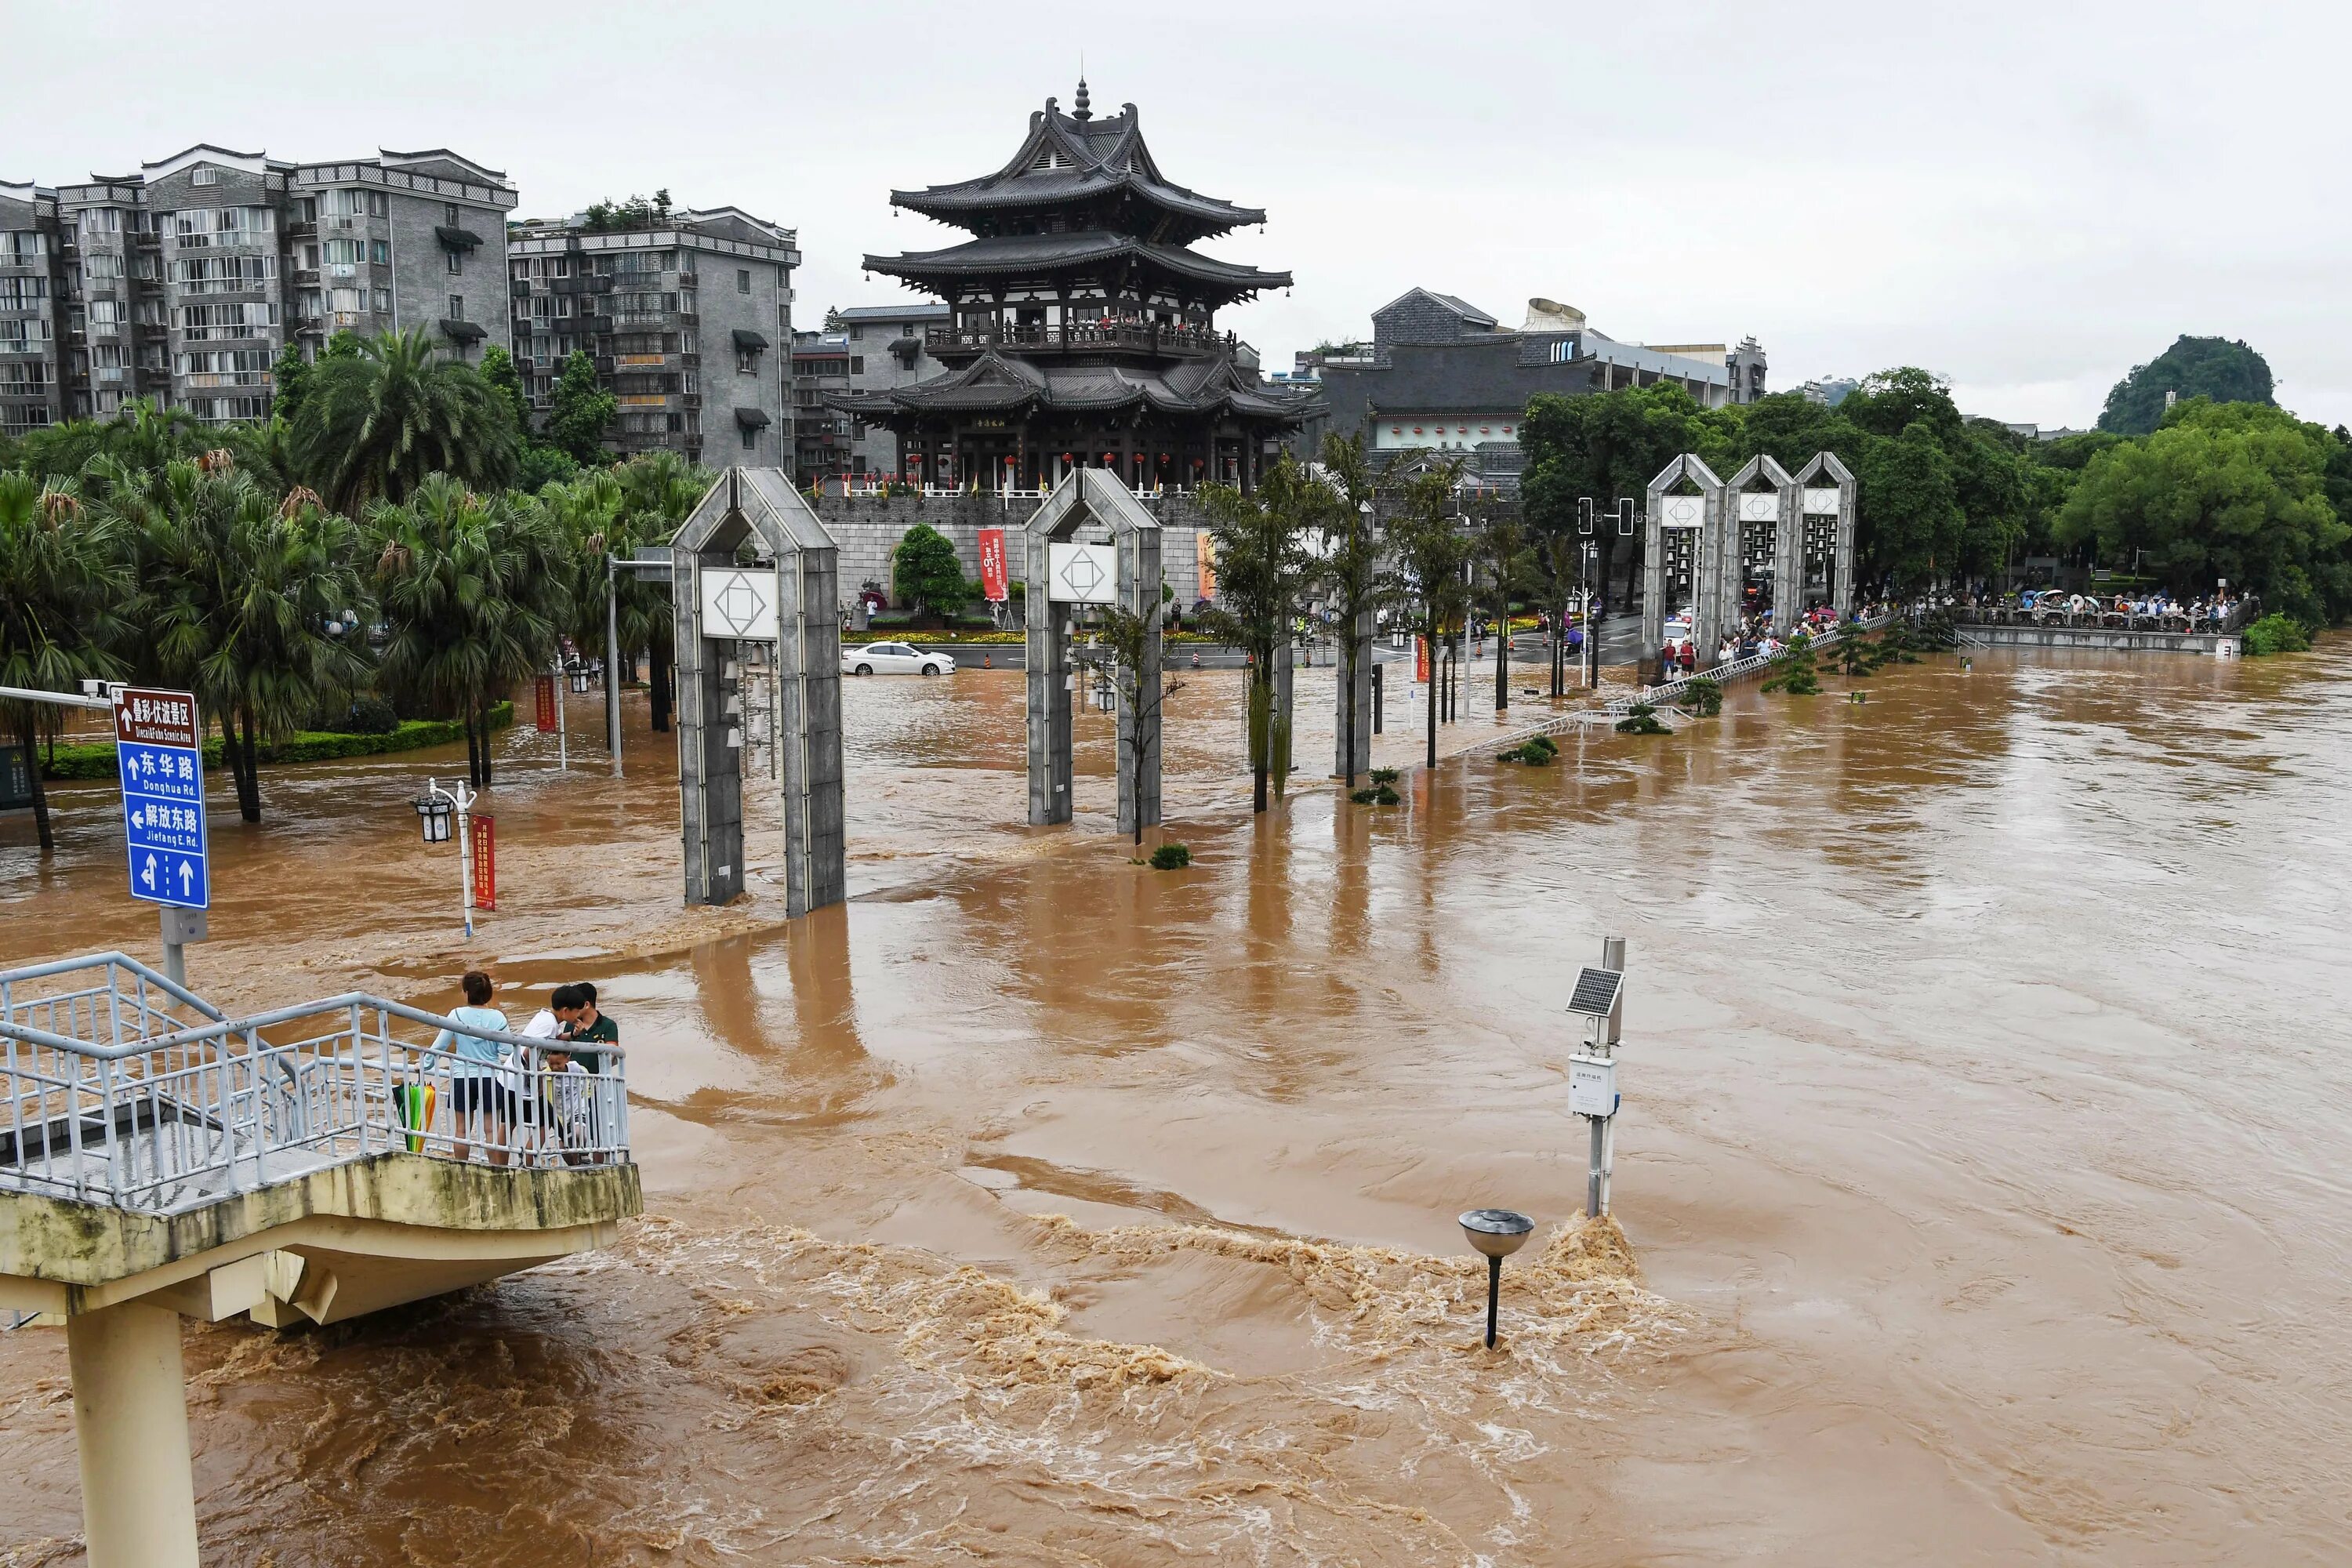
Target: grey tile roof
{"x":995,"y":381}
{"x":1042,"y":253}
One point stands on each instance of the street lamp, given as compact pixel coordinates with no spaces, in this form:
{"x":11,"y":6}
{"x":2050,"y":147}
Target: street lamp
{"x":443,"y":813}
{"x":1495,"y":1234}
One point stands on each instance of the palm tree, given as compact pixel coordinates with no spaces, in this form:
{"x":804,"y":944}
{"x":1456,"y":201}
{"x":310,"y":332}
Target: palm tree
{"x":662,"y":490}
{"x":374,"y":425}
{"x":64,"y":575}
{"x":241,"y":588}
{"x":476,"y":591}
{"x":1428,"y":553}
{"x":1264,"y":566}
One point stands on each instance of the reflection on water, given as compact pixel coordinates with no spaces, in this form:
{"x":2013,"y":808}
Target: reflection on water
{"x":1981,"y":1149}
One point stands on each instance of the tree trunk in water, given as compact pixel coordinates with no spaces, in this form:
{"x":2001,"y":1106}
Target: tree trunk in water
{"x":1435,"y":670}
{"x":246,"y":769}
{"x":1347,"y":708}
{"x":658,"y":693}
{"x":28,"y":731}
{"x":473,"y":747}
{"x":482,"y":723}
{"x":1503,"y":656}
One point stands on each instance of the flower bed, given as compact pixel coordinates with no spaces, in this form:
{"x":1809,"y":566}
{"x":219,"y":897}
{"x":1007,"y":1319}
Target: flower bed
{"x":95,"y":760}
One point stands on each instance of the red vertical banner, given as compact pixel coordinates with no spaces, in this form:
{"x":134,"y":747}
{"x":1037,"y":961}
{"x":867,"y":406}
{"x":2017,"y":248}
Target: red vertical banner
{"x":545,"y":691}
{"x":484,"y":830}
{"x":1204,"y":560}
{"x":994,"y":583}
{"x":1421,"y":660}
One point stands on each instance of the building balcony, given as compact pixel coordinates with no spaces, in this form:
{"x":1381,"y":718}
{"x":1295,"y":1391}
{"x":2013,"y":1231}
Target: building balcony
{"x":1088,"y":337}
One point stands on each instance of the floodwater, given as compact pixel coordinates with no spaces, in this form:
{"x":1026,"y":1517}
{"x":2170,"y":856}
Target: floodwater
{"x":1981,"y":1174}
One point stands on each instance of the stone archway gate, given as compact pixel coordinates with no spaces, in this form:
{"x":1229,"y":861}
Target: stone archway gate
{"x":752,"y":564}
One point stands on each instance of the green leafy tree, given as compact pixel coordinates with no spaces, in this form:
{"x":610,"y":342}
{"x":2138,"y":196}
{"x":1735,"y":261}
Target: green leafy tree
{"x":376,"y":423}
{"x":1611,"y":444}
{"x":1351,"y":567}
{"x":2215,"y":368}
{"x":1910,"y":522}
{"x":66,"y":577}
{"x":476,"y":590}
{"x":498,"y":370}
{"x":241,"y":588}
{"x":2236,"y":490}
{"x":290,"y":379}
{"x":580,"y":412}
{"x":1127,"y":638}
{"x":1507,"y":561}
{"x":662,"y":490}
{"x":1264,"y":566}
{"x":1428,"y":551}
{"x":925,"y":571}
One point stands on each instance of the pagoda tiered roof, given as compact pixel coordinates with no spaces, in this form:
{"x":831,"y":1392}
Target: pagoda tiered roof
{"x":1088,"y":251}
{"x":1075,"y":159}
{"x":997,"y":382}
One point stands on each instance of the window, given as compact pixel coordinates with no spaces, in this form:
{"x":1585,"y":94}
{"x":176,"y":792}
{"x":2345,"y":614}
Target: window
{"x":101,"y":266}
{"x":457,"y":306}
{"x":101,"y":220}
{"x":742,"y":280}
{"x":456,"y":260}
{"x":204,"y":177}
{"x":747,"y":362}
{"x":380,"y":252}
{"x":449,"y":214}
{"x":383,"y":302}
{"x":858,"y":365}
{"x":307,"y":210}
{"x":379,"y":204}
{"x":857,"y":334}
{"x":343,"y":252}
{"x":750,"y":439}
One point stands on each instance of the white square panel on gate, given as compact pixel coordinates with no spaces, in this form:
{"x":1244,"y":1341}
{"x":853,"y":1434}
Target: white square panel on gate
{"x":739,"y":604}
{"x":1822,"y":502}
{"x":1082,"y":574}
{"x":1683,"y":511}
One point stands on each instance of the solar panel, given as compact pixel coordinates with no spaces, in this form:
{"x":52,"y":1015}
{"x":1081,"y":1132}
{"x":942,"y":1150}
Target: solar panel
{"x":1595,"y":993}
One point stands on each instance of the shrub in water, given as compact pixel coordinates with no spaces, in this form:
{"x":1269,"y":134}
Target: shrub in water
{"x":1170,"y":858}
{"x":2276,"y":634}
{"x":1641,"y":719}
{"x":1385,"y":775}
{"x":1702,"y":695}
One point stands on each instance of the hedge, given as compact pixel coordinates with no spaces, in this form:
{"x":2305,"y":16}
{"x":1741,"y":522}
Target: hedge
{"x":95,"y":760}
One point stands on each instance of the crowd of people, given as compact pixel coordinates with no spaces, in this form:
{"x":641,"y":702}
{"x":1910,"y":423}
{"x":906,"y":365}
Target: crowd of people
{"x":2153,"y":610}
{"x":544,"y":1102}
{"x":1754,"y":633}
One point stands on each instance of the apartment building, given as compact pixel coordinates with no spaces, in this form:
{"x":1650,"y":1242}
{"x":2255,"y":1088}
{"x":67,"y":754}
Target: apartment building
{"x":183,"y":281}
{"x":686,"y":315}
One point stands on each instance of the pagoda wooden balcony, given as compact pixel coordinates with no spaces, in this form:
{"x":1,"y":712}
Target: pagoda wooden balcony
{"x":1081,"y":338}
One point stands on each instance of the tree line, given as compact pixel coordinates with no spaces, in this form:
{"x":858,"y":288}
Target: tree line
{"x":2242,"y":490}
{"x":375,"y":550}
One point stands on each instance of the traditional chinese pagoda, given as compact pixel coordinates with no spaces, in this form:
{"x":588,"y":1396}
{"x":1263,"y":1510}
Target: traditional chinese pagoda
{"x":1082,"y":328}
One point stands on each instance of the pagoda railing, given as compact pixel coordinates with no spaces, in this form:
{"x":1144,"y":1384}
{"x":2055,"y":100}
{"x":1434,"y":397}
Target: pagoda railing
{"x":1080,"y":336}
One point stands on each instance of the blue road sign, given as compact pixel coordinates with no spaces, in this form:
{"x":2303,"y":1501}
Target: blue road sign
{"x":163,"y":798}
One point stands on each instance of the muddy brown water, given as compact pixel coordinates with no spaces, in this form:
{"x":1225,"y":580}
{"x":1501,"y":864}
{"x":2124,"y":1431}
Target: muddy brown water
{"x":1982,"y":1176}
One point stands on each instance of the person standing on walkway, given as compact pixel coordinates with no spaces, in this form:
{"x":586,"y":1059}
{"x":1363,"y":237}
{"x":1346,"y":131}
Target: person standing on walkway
{"x":476,"y":1086}
{"x":587,"y":1023}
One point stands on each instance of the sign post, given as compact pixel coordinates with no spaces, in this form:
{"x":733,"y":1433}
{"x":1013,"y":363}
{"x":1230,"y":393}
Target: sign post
{"x":996,"y":585}
{"x":159,"y":756}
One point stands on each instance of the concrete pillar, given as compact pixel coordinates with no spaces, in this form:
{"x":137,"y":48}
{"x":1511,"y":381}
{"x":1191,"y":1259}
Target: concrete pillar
{"x":1362,"y":699}
{"x":1842,"y":577}
{"x":808,"y":671}
{"x":1047,"y":647}
{"x":1789,"y":561}
{"x":1654,"y":592}
{"x":130,"y":1422}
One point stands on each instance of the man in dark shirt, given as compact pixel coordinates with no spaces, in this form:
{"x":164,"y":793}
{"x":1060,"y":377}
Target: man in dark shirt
{"x":583,"y":1022}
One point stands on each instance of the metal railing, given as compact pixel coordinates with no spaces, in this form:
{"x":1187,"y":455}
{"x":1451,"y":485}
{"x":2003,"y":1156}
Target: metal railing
{"x":118,"y":1087}
{"x":1668,"y":692}
{"x":2096,"y":617}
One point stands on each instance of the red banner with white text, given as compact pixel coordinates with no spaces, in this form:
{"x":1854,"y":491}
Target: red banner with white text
{"x":485,"y":833}
{"x":993,"y":580}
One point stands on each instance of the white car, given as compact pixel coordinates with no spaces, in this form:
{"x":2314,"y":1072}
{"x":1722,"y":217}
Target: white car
{"x":894,"y":658}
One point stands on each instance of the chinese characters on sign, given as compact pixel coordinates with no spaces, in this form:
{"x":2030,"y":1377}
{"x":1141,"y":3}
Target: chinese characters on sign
{"x":544,"y":718}
{"x":158,"y":753}
{"x":486,"y":862}
{"x":993,"y":580}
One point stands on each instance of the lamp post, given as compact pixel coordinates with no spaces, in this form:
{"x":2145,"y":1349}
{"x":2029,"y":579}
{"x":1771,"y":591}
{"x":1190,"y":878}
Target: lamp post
{"x":1495,"y":1235}
{"x":562,"y":738}
{"x":439,"y":810}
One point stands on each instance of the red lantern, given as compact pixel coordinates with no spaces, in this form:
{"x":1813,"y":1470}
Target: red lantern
{"x":1066,"y":457}
{"x":1110,"y":456}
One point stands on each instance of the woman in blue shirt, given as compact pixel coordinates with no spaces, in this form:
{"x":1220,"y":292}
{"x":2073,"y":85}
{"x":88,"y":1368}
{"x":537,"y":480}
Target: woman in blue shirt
{"x":475,"y":1083}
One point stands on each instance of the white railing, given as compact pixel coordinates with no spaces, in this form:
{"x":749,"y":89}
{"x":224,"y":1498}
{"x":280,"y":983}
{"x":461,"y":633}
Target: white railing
{"x":1668,"y":692}
{"x":123,"y":1088}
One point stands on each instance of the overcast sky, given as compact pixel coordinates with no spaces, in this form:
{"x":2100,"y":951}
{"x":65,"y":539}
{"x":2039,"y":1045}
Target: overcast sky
{"x":2027,"y":198}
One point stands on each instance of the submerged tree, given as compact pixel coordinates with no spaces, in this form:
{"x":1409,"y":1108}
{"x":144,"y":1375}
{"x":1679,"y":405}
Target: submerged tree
{"x":1126,"y":636}
{"x":1425,"y":585}
{"x":1351,"y":569}
{"x":1264,"y":566}
{"x":375,"y":424}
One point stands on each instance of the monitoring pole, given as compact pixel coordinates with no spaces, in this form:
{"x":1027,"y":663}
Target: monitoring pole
{"x":613,"y":659}
{"x":1600,"y":999}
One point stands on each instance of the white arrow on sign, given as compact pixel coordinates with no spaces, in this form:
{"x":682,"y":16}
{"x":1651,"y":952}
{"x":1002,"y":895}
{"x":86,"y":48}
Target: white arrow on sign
{"x":187,"y":880}
{"x":147,"y":872}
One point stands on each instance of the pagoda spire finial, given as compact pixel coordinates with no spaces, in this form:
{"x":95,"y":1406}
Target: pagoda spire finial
{"x":1081,"y":109}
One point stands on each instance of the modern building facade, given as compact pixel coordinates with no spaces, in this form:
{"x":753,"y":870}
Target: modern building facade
{"x":688,"y":320}
{"x":1081,"y":326}
{"x":183,"y":281}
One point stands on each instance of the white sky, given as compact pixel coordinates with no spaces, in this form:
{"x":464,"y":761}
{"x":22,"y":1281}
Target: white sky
{"x":2026,"y":197}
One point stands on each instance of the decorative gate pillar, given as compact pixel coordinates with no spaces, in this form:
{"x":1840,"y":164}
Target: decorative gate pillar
{"x":1062,"y":575}
{"x":1363,"y":696}
{"x":1828,"y":490}
{"x":1776,"y":508}
{"x":753,"y":564}
{"x":1700,"y":517}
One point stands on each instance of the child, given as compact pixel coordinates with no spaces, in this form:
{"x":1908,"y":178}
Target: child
{"x":564,"y":1091}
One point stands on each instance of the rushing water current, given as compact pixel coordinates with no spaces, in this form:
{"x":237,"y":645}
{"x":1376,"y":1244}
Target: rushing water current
{"x":1982,"y":1173}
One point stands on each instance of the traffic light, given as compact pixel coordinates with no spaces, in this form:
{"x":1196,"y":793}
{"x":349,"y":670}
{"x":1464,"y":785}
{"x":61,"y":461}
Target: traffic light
{"x":1584,"y":515}
{"x":1624,"y":517}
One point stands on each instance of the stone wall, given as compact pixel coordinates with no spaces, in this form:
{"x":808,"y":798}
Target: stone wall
{"x":870,"y":527}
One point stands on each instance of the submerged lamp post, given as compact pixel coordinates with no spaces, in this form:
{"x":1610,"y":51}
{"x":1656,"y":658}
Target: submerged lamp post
{"x":442,"y":812}
{"x":1496,"y":1234}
